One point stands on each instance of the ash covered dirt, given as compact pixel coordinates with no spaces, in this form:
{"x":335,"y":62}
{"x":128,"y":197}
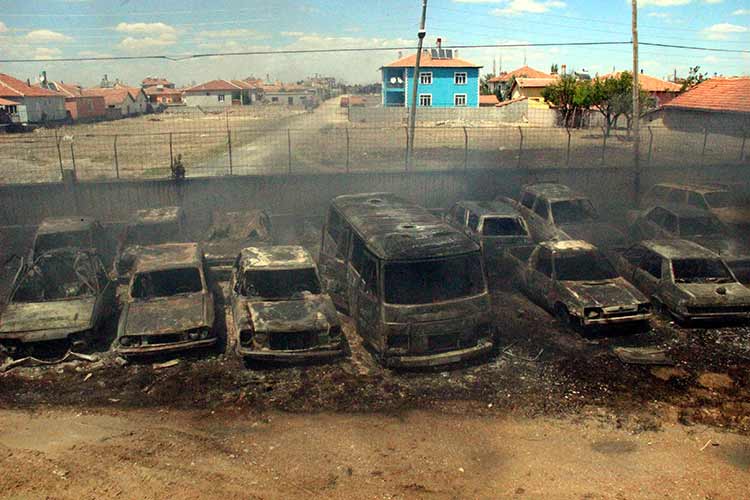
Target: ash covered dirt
{"x":538,"y":369}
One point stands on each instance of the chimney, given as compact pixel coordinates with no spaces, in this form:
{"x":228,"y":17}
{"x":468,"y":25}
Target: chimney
{"x":564,"y":69}
{"x":553,"y":70}
{"x":641,"y":70}
{"x":439,"y":43}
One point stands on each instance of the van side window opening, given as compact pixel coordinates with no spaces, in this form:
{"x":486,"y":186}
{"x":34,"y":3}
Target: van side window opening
{"x":473,"y":222}
{"x":430,"y":281}
{"x":337,"y":232}
{"x":369,"y":275}
{"x":358,"y":253}
{"x":528,"y":200}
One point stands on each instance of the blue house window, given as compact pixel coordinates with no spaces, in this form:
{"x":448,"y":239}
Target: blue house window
{"x":425,"y":100}
{"x":459,"y":78}
{"x":425,"y":78}
{"x":459,"y":99}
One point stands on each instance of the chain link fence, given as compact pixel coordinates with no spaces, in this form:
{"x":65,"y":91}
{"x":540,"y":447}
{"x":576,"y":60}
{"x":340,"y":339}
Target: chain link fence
{"x":327,"y":147}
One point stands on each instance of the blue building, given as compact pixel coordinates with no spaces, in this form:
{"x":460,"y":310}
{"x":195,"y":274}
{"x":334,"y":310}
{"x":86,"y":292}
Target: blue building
{"x":445,"y":81}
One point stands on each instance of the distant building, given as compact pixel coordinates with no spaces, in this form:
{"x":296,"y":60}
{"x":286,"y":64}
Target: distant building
{"x":504,"y":79}
{"x":531,"y":88}
{"x":33,"y":104}
{"x":163,"y":95}
{"x":719,"y":105}
{"x":78,"y":107}
{"x":151,"y":81}
{"x":119,"y":101}
{"x":661,"y":90}
{"x":445,"y":81}
{"x":221,"y":93}
{"x":289,"y":94}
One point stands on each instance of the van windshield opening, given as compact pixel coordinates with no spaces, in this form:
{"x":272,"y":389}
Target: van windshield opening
{"x":429,"y":281}
{"x":503,"y":226}
{"x":585,"y":266}
{"x":166,"y":283}
{"x":701,"y":271}
{"x":573,"y":211}
{"x":280,"y":284}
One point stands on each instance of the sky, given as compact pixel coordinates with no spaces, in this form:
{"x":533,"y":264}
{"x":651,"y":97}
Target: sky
{"x":40,"y":30}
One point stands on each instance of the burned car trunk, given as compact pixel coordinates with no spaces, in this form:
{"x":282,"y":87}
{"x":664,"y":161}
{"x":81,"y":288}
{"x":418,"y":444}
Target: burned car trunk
{"x":230,"y":232}
{"x":151,"y":226}
{"x":279,"y":311}
{"x":685,"y":280}
{"x":576,"y":282}
{"x":64,"y":297}
{"x":169,"y":306}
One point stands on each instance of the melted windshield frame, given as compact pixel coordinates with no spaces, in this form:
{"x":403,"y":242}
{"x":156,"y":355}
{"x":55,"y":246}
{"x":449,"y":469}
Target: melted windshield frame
{"x":295,"y":284}
{"x":603,"y":270}
{"x":144,"y":287}
{"x":711,"y":271}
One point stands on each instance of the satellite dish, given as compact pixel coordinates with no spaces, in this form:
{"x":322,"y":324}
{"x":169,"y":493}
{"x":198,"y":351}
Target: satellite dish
{"x":400,"y":80}
{"x":393,"y":79}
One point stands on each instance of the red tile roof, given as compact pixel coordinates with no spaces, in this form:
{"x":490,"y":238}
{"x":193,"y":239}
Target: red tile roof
{"x":13,"y":87}
{"x":536,"y":82}
{"x":221,"y":85}
{"x":510,"y":101}
{"x":525,"y":71}
{"x":650,"y":83}
{"x":112,"y":97}
{"x":428,"y":62}
{"x":150,"y":81}
{"x":716,"y":94}
{"x":488,"y":100}
{"x":64,"y":89}
{"x":6,"y":102}
{"x":161,"y":91}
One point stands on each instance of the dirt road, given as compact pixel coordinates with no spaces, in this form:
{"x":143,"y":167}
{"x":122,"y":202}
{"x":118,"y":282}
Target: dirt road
{"x":230,"y":454}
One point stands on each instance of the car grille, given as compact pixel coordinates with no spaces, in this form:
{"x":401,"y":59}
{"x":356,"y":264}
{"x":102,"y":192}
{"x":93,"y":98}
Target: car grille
{"x":164,"y":339}
{"x":442,"y":342}
{"x":719,"y":310}
{"x":293,"y":341}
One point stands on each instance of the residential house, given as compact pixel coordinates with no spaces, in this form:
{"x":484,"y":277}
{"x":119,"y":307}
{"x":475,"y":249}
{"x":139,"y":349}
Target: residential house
{"x":221,"y":93}
{"x":39,"y":105}
{"x":504,"y":79}
{"x":11,"y":113}
{"x":289,"y":94}
{"x":78,"y":107}
{"x":720,"y":105}
{"x":119,"y":101}
{"x":151,"y":81}
{"x":445,"y":81}
{"x":660,"y":90}
{"x":531,"y":88}
{"x":158,"y":95}
{"x":140,"y":99}
{"x":486,"y":101}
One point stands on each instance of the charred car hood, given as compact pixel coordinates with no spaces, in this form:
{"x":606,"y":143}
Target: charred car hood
{"x":166,"y":315}
{"x":57,"y":315}
{"x":709,"y":293}
{"x":311,"y":313}
{"x":599,"y":233}
{"x":608,"y":293}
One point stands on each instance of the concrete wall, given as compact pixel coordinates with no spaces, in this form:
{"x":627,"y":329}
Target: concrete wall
{"x":209,"y":99}
{"x":696,"y":121}
{"x":611,"y":190}
{"x":40,"y":109}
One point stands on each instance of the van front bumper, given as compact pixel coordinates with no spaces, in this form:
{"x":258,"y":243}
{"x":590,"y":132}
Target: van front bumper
{"x":442,"y":358}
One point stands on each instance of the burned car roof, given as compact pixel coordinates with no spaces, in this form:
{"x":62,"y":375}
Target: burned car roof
{"x":679,"y":249}
{"x":553,"y":191}
{"x":568,"y":246}
{"x":157,"y":215}
{"x":397,"y":229}
{"x":275,"y":257}
{"x":51,"y":225}
{"x":168,"y":256}
{"x":482,"y":208}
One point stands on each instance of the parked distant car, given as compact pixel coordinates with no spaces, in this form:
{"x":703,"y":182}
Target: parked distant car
{"x":684,"y":279}
{"x":230,"y":232}
{"x":699,"y":226}
{"x":719,"y":199}
{"x":556,"y":212}
{"x":494,"y":225}
{"x":63,"y":297}
{"x":278,"y":308}
{"x":73,"y":232}
{"x":576,"y":282}
{"x":150,"y":226}
{"x":169,"y":306}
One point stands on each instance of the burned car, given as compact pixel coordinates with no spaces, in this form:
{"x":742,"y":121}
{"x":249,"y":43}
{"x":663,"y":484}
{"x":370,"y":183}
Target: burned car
{"x":169,"y":306}
{"x":61,"y":299}
{"x":494,"y":225}
{"x":150,"y":226}
{"x":71,"y":232}
{"x":556,"y":212}
{"x":699,"y":226}
{"x":229,"y":233}
{"x":724,"y":203}
{"x":576,"y":282}
{"x":279,"y":311}
{"x":684,"y":279}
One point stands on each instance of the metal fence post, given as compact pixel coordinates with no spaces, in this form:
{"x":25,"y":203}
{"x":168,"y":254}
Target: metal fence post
{"x":59,"y":154}
{"x":347,"y":149}
{"x":406,"y":149}
{"x":466,"y":150}
{"x":73,"y":158}
{"x":703,"y":151}
{"x":742,"y":148}
{"x":289,"y":147}
{"x":604,"y":144}
{"x":520,"y":146}
{"x":117,"y":161}
{"x":229,"y":149}
{"x":171,"y":153}
{"x":567,"y":151}
{"x":650,"y":145}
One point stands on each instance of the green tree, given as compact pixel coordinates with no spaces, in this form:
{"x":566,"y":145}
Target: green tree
{"x":613,"y":97}
{"x":694,"y":78}
{"x":570,"y":97}
{"x":484,"y":84}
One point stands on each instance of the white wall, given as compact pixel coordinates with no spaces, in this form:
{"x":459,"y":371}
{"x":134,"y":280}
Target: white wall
{"x":210,"y":100}
{"x":49,"y":108}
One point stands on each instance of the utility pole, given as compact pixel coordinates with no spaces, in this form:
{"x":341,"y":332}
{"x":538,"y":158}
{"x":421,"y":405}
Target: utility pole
{"x":414,"y":89}
{"x":636,"y":107}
